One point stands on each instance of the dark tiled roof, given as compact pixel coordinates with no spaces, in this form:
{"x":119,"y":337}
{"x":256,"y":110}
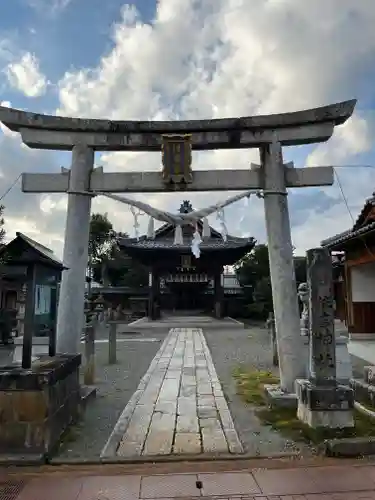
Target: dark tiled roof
{"x":168,"y":243}
{"x":358,"y":228}
{"x":347,"y":235}
{"x":45,"y":252}
{"x":370,"y":202}
{"x":169,"y":228}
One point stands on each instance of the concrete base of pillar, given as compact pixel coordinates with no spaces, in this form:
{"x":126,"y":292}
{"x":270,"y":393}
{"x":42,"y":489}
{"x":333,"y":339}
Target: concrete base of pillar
{"x":276,"y":397}
{"x":328,"y":419}
{"x":330,"y":407}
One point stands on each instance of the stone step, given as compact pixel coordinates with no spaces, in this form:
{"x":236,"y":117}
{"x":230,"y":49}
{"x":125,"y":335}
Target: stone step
{"x":363,"y":391}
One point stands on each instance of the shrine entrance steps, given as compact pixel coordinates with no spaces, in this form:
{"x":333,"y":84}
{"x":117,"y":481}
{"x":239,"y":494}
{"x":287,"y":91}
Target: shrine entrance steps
{"x":187,"y":321}
{"x":179,"y":407}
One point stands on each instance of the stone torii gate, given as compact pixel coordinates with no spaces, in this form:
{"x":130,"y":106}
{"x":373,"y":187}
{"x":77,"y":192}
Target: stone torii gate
{"x":268,"y":133}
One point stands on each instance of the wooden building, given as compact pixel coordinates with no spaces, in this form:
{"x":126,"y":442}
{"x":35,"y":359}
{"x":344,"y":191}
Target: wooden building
{"x":178,"y":280}
{"x":29,"y":270}
{"x":353,"y":254}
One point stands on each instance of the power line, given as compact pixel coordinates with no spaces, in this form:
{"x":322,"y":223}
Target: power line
{"x":343,"y":194}
{"x":10,"y":188}
{"x":344,"y":166}
{"x":349,"y":211}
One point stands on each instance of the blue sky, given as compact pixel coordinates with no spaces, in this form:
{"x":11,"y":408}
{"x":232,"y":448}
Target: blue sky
{"x":192,"y":59}
{"x":67,"y":38}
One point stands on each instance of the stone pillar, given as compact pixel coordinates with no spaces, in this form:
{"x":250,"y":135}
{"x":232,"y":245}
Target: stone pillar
{"x":29,"y":321}
{"x":284,"y":288}
{"x":157,"y":296}
{"x":70,"y":318}
{"x":153,"y":297}
{"x":322,"y":402}
{"x":321,"y":316}
{"x":218,"y":295}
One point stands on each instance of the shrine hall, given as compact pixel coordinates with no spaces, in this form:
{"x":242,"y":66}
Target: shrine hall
{"x":178,"y":280}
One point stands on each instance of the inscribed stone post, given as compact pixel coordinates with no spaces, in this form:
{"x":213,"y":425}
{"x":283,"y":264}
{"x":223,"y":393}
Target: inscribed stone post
{"x":322,"y":402}
{"x":321,"y":316}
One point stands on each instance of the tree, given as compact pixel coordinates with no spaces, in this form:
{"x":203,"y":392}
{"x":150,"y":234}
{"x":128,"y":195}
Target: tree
{"x":253,"y":273}
{"x":101,"y":237}
{"x":300,"y":269}
{"x":2,"y":222}
{"x":108,"y":264}
{"x":253,"y":266}
{"x":2,"y":233}
{"x":101,"y":241}
{"x":119,"y":269}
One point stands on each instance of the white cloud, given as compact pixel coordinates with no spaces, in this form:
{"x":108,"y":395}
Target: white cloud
{"x":221,"y":58}
{"x":49,"y":7}
{"x":25,"y":76}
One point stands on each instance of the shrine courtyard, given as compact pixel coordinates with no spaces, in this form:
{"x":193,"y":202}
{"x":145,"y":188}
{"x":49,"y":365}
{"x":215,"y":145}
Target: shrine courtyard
{"x":172,"y":393}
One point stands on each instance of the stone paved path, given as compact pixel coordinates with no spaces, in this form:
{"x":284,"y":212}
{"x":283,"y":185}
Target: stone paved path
{"x":179,"y":406}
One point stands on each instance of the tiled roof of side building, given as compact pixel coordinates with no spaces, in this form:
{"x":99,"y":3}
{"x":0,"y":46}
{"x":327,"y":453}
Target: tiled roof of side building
{"x":347,"y":235}
{"x":41,"y":249}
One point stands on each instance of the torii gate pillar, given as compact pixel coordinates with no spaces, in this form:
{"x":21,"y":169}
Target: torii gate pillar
{"x":280,"y":250}
{"x":70,"y":316}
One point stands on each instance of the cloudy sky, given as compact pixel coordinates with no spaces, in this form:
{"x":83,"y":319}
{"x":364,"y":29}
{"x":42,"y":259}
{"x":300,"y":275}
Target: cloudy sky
{"x":174,"y":59}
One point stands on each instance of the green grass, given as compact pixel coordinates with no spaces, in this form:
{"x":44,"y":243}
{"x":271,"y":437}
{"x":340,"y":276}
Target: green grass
{"x":250,"y":386}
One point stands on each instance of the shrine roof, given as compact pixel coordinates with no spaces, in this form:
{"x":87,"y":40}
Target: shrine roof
{"x":164,"y":238}
{"x":144,"y":243}
{"x":44,"y":253}
{"x":41,"y":249}
{"x":364,"y":224}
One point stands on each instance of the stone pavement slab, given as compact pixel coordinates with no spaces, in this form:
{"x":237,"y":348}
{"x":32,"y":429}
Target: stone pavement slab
{"x":172,"y":321}
{"x":180,"y":407}
{"x":347,"y":482}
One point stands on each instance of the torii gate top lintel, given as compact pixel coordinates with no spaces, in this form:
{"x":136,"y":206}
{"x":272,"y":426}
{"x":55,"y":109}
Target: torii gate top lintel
{"x":57,"y":132}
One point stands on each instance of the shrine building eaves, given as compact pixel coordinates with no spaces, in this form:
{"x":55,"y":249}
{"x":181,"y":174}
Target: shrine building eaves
{"x":338,"y":241}
{"x":57,"y":132}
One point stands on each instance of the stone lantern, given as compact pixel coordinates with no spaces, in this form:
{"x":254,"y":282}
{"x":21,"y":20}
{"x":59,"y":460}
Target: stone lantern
{"x":98,"y":304}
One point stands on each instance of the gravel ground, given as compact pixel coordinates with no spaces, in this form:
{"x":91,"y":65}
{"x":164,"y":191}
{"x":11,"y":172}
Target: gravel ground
{"x":115,"y":385}
{"x":251,"y":347}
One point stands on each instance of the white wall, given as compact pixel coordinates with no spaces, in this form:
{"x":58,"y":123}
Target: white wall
{"x":363,"y":283}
